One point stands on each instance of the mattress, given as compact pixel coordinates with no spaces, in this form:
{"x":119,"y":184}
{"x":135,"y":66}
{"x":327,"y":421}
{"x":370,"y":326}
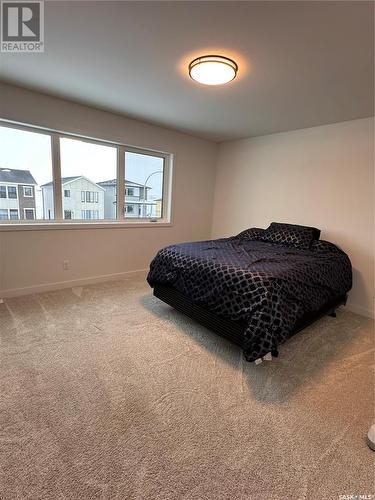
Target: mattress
{"x":267,"y":286}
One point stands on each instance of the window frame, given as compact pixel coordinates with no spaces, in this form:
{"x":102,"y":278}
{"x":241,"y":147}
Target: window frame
{"x":91,"y":212}
{"x":121,"y":220}
{"x":24,"y":213}
{"x":7,"y":211}
{"x":24,"y":191}
{"x":16,"y":191}
{"x":11,"y":210}
{"x":14,"y":210}
{"x":166,"y":206}
{"x":127,"y":206}
{"x":71,"y":213}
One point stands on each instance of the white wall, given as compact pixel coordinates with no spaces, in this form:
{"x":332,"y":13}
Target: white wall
{"x":29,"y":259}
{"x":321,"y":176}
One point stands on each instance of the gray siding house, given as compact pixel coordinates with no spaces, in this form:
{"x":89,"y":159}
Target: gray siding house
{"x":17,"y":194}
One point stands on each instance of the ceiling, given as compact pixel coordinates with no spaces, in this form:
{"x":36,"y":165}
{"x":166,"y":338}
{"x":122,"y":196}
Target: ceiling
{"x":301,"y":64}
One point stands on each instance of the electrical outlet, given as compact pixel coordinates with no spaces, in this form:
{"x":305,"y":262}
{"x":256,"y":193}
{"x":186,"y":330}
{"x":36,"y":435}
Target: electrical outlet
{"x":66,"y":265}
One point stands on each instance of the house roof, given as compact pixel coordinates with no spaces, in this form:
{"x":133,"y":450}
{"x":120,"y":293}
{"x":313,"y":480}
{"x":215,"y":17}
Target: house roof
{"x":113,"y":182}
{"x":66,"y":180}
{"x":16,"y":176}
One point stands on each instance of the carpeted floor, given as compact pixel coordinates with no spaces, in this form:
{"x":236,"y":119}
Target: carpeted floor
{"x":108,"y":393}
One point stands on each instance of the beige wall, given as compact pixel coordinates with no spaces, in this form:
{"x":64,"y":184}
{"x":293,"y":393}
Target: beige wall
{"x":321,"y":176}
{"x":33,"y":258}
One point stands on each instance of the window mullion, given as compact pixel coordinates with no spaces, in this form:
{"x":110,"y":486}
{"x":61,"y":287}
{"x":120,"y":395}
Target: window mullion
{"x":120,"y":183}
{"x":56,"y":173}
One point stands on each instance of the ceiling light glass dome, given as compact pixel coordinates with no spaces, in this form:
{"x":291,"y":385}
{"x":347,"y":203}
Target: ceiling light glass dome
{"x":213,"y":70}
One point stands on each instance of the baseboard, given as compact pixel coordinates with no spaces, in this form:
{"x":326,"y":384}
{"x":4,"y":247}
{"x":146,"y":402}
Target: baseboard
{"x":360,"y":310}
{"x":48,"y":287}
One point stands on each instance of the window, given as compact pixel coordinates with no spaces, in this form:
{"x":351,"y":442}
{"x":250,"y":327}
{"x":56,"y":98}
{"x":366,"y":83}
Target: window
{"x":29,"y":213}
{"x":92,"y":172}
{"x":90,"y":214}
{"x":90,"y":196}
{"x":28,"y":191}
{"x":13,"y":214}
{"x":100,"y":181}
{"x":147,"y":171}
{"x":12,"y":192}
{"x":25,"y":168}
{"x":68,"y":214}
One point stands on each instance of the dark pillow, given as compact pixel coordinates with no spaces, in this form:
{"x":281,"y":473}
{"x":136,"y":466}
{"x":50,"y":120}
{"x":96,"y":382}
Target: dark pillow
{"x":254,"y":233}
{"x":291,"y":235}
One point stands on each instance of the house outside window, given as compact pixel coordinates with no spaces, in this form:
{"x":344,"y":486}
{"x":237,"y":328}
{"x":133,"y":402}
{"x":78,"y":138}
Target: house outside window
{"x":129,"y":192}
{"x":4,"y":214}
{"x":28,"y":191}
{"x":17,"y":193}
{"x":79,"y":193}
{"x":129,"y":209}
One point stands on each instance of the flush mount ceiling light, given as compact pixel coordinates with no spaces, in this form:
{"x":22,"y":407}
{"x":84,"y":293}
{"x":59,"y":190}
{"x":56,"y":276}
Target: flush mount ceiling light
{"x":213,"y":70}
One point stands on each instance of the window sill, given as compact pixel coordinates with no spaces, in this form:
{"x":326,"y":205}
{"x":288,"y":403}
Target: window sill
{"x":42,"y":226}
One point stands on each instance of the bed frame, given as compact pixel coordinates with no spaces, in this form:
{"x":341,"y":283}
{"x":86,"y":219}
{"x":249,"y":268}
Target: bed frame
{"x":234,"y":330}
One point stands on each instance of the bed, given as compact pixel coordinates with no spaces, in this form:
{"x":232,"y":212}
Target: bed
{"x":257,"y":288}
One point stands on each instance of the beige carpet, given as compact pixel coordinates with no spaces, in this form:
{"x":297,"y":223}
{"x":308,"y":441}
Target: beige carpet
{"x":108,"y":393}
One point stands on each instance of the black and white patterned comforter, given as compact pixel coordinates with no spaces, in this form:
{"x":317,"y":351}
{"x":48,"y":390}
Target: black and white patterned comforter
{"x":267,"y":285}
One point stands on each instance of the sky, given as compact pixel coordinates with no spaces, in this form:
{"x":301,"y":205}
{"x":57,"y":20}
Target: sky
{"x":32,"y":151}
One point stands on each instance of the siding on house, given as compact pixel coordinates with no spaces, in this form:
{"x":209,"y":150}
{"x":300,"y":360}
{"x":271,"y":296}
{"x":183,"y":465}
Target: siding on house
{"x":17,"y":179}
